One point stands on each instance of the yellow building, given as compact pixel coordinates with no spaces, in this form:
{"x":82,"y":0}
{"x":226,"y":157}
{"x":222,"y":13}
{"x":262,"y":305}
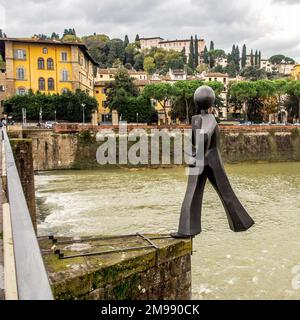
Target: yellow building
{"x":295,"y":73}
{"x":46,"y":66}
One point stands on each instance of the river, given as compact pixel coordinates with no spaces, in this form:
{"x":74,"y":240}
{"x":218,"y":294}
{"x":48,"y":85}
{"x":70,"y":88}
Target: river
{"x":257,"y":264}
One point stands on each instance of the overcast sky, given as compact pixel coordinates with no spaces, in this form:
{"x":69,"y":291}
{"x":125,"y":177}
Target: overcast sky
{"x":270,"y":25}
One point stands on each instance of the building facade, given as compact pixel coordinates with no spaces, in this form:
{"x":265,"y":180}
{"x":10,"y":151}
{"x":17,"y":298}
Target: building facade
{"x":295,"y":72}
{"x":176,"y":45}
{"x":46,"y":66}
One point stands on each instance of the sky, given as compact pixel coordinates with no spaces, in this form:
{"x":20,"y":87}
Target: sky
{"x":272,"y":26}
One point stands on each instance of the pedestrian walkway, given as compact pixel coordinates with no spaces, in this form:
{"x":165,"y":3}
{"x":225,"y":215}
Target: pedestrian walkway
{"x":1,"y":228}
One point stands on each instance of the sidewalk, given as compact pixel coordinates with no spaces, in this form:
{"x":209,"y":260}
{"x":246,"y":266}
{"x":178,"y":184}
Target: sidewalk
{"x":1,"y":230}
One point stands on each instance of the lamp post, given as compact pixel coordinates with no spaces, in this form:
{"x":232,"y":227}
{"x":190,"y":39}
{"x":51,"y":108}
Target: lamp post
{"x":55,"y":116}
{"x":83,"y":115}
{"x":137,"y":118}
{"x":41,"y":116}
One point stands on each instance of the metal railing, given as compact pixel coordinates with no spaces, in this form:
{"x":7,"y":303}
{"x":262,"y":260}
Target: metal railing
{"x":31,"y":276}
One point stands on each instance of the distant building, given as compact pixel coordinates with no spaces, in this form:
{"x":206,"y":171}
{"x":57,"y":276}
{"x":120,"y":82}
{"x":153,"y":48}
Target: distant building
{"x":223,"y":62}
{"x":177,"y":45}
{"x":46,"y":66}
{"x":109,"y":74}
{"x":148,"y":43}
{"x":267,"y":65}
{"x":224,"y":79}
{"x":295,"y":72}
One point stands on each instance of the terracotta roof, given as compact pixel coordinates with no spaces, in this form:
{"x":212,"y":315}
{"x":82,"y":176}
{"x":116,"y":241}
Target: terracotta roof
{"x":216,"y":75}
{"x":151,"y":38}
{"x":114,"y":71}
{"x":184,"y":40}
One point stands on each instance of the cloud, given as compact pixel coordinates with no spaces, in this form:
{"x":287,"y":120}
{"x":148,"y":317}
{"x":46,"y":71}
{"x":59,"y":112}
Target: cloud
{"x":269,"y":25}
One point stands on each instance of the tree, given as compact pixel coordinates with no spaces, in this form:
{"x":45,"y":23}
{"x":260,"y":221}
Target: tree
{"x":231,"y":69}
{"x":116,"y":51}
{"x":191,"y":62}
{"x":243,"y":91}
{"x":162,"y":93}
{"x":277,"y":59}
{"x":126,"y":41}
{"x":196,"y":52}
{"x":237,"y":57}
{"x":254,"y":73}
{"x":293,"y":89}
{"x":67,"y":106}
{"x":206,"y":55}
{"x":54,"y":36}
{"x":184,"y":99}
{"x":130,"y":51}
{"x":137,"y":38}
{"x":259,"y":59}
{"x":138,"y":62}
{"x":251,"y":58}
{"x":256,"y":59}
{"x":244,"y":56}
{"x":212,"y":46}
{"x":149,"y":65}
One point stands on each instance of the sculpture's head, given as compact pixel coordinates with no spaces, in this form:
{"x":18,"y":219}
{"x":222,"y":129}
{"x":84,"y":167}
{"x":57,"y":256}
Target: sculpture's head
{"x":204,"y":98}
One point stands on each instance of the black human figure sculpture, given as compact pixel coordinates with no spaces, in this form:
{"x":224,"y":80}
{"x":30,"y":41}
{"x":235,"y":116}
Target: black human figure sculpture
{"x":213,"y":170}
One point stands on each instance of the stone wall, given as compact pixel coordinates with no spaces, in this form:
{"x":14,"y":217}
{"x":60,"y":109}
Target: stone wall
{"x":78,"y":150}
{"x":145,"y":274}
{"x":22,"y":149}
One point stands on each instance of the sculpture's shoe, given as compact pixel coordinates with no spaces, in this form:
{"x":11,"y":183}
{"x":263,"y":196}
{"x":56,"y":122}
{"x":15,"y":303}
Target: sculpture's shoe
{"x":177,"y":235}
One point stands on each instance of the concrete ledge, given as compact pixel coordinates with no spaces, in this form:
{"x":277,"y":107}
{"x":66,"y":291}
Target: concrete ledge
{"x":163,"y":273}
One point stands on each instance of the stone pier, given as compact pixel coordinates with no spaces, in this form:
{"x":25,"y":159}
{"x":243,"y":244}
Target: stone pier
{"x":22,"y":149}
{"x":83,"y":272}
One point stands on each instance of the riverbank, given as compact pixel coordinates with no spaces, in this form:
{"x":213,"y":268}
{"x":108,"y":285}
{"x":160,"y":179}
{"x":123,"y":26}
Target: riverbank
{"x":77,"y":150}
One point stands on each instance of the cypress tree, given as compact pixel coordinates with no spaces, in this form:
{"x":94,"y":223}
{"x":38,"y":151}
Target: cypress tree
{"x":256,"y":58}
{"x":237,"y":57}
{"x":206,"y":56}
{"x":191,"y":55}
{"x":137,"y":38}
{"x":196,"y":57}
{"x":126,"y":41}
{"x":251,"y":58}
{"x":259,"y":59}
{"x":244,"y":56}
{"x":212,"y":46}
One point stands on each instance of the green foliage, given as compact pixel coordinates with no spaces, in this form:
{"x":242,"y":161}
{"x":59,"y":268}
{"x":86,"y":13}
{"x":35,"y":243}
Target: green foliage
{"x":277,"y":59}
{"x":191,"y":62}
{"x":149,"y":65}
{"x":67,"y":106}
{"x":244,"y":56}
{"x":123,"y":96}
{"x":254,"y":73}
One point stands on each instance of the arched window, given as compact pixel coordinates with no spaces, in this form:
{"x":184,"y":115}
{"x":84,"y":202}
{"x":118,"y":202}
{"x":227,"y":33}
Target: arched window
{"x":41,"y":63}
{"x":50,"y":84}
{"x":41,"y":84}
{"x":21,"y":91}
{"x":21,"y":73}
{"x":50,"y":64}
{"x":64,"y":75}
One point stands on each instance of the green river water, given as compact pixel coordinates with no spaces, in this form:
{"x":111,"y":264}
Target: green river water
{"x":257,"y":264}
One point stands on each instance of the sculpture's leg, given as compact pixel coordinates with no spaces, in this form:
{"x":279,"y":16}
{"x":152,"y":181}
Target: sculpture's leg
{"x":190,"y":219}
{"x":238,"y":218}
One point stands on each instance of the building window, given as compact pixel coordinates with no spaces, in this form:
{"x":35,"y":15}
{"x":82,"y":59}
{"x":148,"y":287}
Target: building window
{"x":64,"y":56}
{"x":64,"y":75}
{"x":97,"y":91}
{"x":50,"y":84}
{"x":45,"y":50}
{"x":21,"y":91}
{"x":50,"y":64}
{"x":41,"y":63}
{"x":21,"y":73}
{"x":41,"y":84}
{"x":101,"y":75}
{"x":20,"y":54}
{"x":2,"y":89}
